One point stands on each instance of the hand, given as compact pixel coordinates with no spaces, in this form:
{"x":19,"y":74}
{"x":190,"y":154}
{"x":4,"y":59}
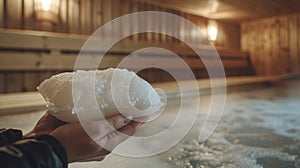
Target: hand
{"x":45,"y":125}
{"x":80,"y":147}
{"x":77,"y":144}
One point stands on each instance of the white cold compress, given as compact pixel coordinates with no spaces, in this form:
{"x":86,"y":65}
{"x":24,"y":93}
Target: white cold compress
{"x":116,"y":91}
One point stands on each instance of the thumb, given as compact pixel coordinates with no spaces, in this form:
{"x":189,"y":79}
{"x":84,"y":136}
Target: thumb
{"x":113,"y":139}
{"x":118,"y":121}
{"x":100,"y":128}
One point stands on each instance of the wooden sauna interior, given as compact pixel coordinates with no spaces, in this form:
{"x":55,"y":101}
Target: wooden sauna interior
{"x":255,"y":38}
{"x":258,"y":42}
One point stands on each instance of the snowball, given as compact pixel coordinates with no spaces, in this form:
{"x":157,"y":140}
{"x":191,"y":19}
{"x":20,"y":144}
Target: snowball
{"x":115,"y":91}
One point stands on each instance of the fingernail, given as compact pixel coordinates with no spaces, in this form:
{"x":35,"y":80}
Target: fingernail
{"x":127,"y":119}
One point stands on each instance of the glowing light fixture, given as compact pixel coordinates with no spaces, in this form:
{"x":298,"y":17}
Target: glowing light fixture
{"x":212,"y":30}
{"x":46,"y":10}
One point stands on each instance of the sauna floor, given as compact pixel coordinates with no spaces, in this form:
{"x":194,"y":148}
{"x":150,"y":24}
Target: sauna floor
{"x":259,"y":128}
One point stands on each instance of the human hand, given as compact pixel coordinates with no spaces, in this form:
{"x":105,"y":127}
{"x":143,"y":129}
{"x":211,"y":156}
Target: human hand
{"x":80,"y":147}
{"x":77,"y":143}
{"x":45,"y":125}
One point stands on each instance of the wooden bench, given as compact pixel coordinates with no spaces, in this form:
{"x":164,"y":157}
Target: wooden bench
{"x":29,"y":57}
{"x":13,"y":103}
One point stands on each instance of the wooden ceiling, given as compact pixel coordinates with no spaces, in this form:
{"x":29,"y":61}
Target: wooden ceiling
{"x":232,"y":10}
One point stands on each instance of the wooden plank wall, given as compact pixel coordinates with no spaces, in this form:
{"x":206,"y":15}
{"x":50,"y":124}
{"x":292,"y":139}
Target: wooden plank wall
{"x":85,"y":16}
{"x":273,"y":44}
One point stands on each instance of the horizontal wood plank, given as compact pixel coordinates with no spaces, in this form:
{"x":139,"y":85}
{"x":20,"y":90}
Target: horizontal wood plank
{"x":32,"y":101}
{"x":66,"y":62}
{"x":21,"y":102}
{"x":42,"y":54}
{"x":64,"y":42}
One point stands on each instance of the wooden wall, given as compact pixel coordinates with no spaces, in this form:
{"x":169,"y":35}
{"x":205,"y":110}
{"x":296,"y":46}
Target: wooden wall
{"x":85,"y":16}
{"x":273,"y":44}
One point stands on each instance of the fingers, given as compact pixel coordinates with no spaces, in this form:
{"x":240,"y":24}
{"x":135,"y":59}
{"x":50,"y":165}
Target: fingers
{"x":45,"y":125}
{"x":118,"y":121}
{"x":130,"y":128}
{"x":50,"y":121}
{"x":100,"y":128}
{"x":142,"y":119}
{"x":113,"y":139}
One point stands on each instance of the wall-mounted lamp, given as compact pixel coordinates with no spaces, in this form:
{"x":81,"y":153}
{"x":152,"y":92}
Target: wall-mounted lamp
{"x":212,"y":30}
{"x":46,"y":10}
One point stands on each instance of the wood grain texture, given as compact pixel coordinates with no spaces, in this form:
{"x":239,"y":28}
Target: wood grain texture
{"x":85,"y":16}
{"x":1,"y":13}
{"x":40,"y":55}
{"x":298,"y":46}
{"x":14,"y":14}
{"x":231,"y":10}
{"x":273,"y":44}
{"x":2,"y":83}
{"x":29,"y":20}
{"x":74,"y":16}
{"x":79,"y":18}
{"x":62,"y":25}
{"x":14,"y":82}
{"x":96,"y":14}
{"x":16,"y":103}
{"x":31,"y":81}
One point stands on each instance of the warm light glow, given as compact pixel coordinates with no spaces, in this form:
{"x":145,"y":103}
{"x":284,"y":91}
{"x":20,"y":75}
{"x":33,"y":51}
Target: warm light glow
{"x":46,"y":5}
{"x":212,"y":30}
{"x":46,"y":10}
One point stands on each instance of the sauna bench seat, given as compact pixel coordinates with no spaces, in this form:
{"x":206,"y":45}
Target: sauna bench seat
{"x":13,"y":103}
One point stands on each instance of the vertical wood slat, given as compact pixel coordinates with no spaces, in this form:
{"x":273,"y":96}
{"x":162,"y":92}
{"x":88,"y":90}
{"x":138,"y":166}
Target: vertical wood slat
{"x":175,"y":30}
{"x":267,"y":40}
{"x":14,"y":14}
{"x":1,"y":13}
{"x":191,"y":29}
{"x":29,"y":20}
{"x":115,"y":13}
{"x":73,"y":16}
{"x":106,"y":8}
{"x":273,"y":44}
{"x":2,"y":80}
{"x":96,"y":14}
{"x":149,"y":36}
{"x":82,"y":14}
{"x":139,"y":9}
{"x":169,"y":27}
{"x":182,"y":28}
{"x":14,"y":81}
{"x":188,"y":29}
{"x":293,"y":42}
{"x":221,"y":35}
{"x":284,"y":51}
{"x":85,"y":16}
{"x":156,"y":37}
{"x":143,"y":7}
{"x":163,"y":38}
{"x":133,"y":28}
{"x":31,"y":81}
{"x":88,"y":16}
{"x":76,"y":18}
{"x":62,"y":25}
{"x":125,"y":9}
{"x":298,"y":41}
